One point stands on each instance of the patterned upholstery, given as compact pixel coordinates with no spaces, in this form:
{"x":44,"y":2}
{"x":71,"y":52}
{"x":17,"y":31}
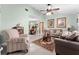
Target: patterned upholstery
{"x":14,"y":41}
{"x":55,"y":31}
{"x":13,"y":33}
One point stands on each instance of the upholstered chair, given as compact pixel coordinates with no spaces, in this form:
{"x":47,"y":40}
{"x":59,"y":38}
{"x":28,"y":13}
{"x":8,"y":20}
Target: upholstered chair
{"x":14,"y":41}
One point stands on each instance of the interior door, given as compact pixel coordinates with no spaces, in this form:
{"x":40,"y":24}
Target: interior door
{"x":41,"y":27}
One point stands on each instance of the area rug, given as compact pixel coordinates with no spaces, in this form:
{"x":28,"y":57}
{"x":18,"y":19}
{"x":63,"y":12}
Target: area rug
{"x":49,"y":47}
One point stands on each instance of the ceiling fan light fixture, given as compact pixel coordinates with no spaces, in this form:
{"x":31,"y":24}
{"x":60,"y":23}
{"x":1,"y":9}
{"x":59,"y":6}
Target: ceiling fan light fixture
{"x":50,"y":10}
{"x":48,"y":13}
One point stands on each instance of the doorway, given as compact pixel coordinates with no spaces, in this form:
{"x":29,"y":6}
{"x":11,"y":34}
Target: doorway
{"x":36,"y":27}
{"x":41,"y":27}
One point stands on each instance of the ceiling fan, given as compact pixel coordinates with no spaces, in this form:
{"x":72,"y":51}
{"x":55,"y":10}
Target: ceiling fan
{"x":50,"y":10}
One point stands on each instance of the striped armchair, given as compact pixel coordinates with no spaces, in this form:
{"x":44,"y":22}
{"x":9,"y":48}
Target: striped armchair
{"x":14,"y":41}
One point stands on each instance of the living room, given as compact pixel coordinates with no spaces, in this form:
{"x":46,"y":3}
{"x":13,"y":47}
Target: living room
{"x":33,"y":22}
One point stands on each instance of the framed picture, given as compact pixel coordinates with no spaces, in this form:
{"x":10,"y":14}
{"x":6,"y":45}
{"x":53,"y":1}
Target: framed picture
{"x":61,"y":22}
{"x":33,"y":27}
{"x":51,"y":23}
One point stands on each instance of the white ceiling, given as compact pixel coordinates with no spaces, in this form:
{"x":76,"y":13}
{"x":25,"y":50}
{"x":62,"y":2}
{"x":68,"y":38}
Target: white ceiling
{"x":64,"y":8}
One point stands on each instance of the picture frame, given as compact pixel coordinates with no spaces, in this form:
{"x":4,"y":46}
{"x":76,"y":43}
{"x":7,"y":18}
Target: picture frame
{"x":33,"y":25}
{"x":51,"y":23}
{"x":61,"y":22}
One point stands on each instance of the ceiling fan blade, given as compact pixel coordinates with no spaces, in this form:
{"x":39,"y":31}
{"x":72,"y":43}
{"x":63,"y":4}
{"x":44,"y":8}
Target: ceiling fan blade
{"x":56,"y":9}
{"x":42,"y":10}
{"x":44,"y":14}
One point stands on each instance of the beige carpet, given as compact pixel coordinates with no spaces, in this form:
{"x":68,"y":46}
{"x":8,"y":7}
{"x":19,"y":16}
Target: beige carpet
{"x":49,"y":47}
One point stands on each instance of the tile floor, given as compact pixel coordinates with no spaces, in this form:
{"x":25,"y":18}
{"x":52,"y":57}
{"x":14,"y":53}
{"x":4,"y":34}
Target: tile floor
{"x":37,"y":50}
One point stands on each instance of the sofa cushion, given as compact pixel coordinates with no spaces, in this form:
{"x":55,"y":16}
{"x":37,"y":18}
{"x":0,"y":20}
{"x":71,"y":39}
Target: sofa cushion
{"x":66,"y":33}
{"x":71,"y":37}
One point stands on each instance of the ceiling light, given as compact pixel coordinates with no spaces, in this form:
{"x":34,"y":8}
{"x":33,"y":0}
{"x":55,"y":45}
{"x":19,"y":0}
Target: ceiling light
{"x":48,"y":13}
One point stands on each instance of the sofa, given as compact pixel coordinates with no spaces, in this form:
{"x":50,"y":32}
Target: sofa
{"x":66,"y":47}
{"x":14,"y":42}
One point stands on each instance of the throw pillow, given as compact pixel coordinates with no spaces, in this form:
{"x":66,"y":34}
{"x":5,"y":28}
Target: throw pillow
{"x":66,"y":33}
{"x":71,"y":37}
